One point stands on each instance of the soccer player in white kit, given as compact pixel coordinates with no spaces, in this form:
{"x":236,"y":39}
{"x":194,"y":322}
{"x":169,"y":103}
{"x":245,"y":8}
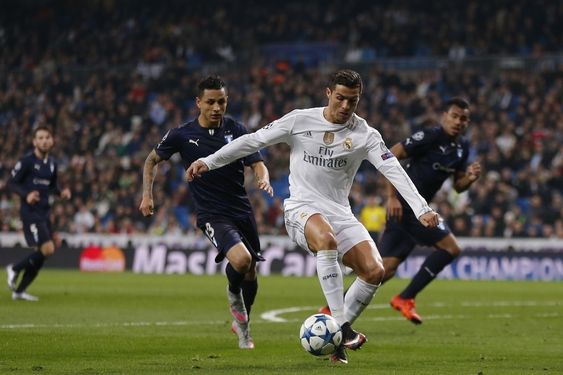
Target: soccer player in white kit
{"x":328,"y":144}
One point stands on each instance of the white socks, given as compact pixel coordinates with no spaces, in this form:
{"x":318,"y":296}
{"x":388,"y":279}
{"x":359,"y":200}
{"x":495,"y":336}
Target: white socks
{"x":332,"y":284}
{"x":357,"y":298}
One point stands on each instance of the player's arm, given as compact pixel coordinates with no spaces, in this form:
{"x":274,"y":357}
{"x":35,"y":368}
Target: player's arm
{"x":464,"y":179}
{"x":16,"y":183}
{"x":55,"y":189}
{"x":390,"y":167}
{"x":394,"y":206}
{"x":276,"y":132}
{"x":149,"y":173}
{"x":262,"y":177}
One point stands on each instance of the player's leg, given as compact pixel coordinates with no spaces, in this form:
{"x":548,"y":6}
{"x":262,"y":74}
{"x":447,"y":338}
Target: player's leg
{"x":395,"y":246}
{"x":240,"y":266}
{"x":447,"y":249}
{"x":365,"y":261}
{"x":249,"y":235}
{"x":240,"y":263}
{"x":35,"y":233}
{"x":225,"y":235}
{"x":434,"y":263}
{"x":322,"y":242}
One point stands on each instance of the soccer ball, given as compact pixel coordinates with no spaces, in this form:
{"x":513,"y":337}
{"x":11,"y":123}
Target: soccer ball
{"x":320,"y":334}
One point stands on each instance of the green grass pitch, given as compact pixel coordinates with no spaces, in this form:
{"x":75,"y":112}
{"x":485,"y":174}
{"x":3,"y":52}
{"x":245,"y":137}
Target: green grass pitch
{"x":179,"y":324}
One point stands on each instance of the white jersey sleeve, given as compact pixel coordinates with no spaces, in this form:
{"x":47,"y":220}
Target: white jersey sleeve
{"x":382,"y":158}
{"x":276,"y":132}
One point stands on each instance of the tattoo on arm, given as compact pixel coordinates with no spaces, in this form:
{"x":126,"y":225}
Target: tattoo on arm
{"x":149,"y":172}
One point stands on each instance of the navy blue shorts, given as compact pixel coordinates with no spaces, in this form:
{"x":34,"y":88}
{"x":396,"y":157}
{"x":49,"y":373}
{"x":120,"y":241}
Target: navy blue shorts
{"x":37,"y":232}
{"x":224,"y":233}
{"x":400,"y":237}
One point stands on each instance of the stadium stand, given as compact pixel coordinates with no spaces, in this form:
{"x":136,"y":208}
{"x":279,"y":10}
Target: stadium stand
{"x":111,"y":76}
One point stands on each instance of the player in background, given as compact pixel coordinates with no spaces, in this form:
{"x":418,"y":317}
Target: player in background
{"x":223,"y":210}
{"x":34,"y":179}
{"x":328,"y":145}
{"x":434,"y":155}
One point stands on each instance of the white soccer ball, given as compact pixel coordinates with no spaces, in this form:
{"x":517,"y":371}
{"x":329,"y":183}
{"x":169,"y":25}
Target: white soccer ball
{"x":320,"y":334}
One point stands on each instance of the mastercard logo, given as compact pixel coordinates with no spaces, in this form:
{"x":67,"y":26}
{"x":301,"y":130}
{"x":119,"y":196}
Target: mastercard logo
{"x":98,"y":259}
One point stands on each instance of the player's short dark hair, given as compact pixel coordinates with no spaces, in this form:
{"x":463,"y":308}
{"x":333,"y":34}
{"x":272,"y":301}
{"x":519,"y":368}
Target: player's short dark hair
{"x":458,"y":102}
{"x":345,"y":77}
{"x":41,"y":127}
{"x":213,"y":82}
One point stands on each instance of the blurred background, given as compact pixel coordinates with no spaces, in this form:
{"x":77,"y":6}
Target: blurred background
{"x":110,"y":77}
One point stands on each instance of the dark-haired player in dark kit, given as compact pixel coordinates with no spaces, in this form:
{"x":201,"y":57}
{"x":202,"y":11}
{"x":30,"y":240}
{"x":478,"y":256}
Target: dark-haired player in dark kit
{"x":34,"y":178}
{"x":223,"y":210}
{"x":433,"y":156}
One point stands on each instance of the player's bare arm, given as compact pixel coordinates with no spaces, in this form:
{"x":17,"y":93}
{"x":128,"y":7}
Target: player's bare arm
{"x":195,"y":170}
{"x":394,"y":206}
{"x":149,"y":172}
{"x":463,"y":180}
{"x":262,"y":177}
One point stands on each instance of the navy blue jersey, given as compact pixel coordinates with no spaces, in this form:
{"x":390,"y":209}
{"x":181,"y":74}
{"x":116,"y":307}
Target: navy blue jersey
{"x":31,"y":173}
{"x":434,"y":156}
{"x":220,"y":191}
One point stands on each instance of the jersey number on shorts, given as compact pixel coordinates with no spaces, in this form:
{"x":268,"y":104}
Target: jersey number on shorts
{"x":210,"y":233}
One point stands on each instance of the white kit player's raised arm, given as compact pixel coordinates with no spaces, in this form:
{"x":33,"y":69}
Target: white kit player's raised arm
{"x":385,"y":162}
{"x":249,"y":143}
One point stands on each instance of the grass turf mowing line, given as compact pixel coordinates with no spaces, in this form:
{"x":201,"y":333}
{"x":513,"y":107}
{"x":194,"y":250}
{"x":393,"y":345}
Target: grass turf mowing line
{"x":109,"y":324}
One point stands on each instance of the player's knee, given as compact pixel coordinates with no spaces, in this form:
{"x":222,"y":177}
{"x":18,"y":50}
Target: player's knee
{"x":375,"y":274}
{"x":370,"y":272}
{"x":242,"y":263}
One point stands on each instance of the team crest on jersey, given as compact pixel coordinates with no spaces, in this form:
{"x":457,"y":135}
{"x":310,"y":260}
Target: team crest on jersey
{"x":459,"y":152}
{"x":418,"y":136}
{"x":268,"y":126}
{"x":52,"y":166}
{"x":328,"y":138}
{"x":228,"y":138}
{"x":347,"y":144}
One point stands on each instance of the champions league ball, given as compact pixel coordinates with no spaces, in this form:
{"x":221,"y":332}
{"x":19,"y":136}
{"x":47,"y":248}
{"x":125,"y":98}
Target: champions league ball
{"x":320,"y":334}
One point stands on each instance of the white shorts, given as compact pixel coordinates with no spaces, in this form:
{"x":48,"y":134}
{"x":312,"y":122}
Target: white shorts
{"x":347,"y":229}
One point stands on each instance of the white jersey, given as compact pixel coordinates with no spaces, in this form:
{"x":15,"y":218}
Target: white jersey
{"x":324,"y":158}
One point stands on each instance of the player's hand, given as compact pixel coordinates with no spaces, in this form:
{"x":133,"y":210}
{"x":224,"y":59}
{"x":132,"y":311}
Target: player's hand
{"x":473,"y":171}
{"x":196,"y":169}
{"x":66,"y":194}
{"x":33,"y":197}
{"x":265,"y":185}
{"x":147,"y":206}
{"x":394,"y":208}
{"x":429,"y":219}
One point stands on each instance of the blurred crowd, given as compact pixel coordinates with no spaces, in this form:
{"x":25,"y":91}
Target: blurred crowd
{"x":110,"y":78}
